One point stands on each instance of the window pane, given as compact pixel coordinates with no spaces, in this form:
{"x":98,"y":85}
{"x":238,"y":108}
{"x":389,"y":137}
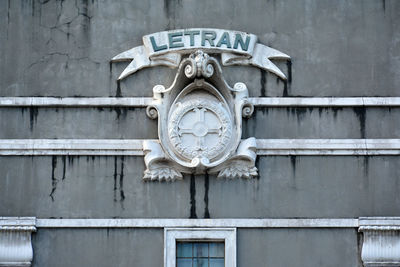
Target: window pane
{"x":200,"y":249}
{"x":200,"y":263}
{"x":216,"y":262}
{"x":217,"y":249}
{"x":184,"y":249}
{"x":184,"y":263}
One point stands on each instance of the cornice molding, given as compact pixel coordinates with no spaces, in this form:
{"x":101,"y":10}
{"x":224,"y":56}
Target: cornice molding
{"x":134,"y":147}
{"x":142,"y":102}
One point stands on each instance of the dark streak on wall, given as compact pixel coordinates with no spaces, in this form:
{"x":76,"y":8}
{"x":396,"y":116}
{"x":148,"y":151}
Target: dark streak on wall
{"x":192,"y":197}
{"x":33,"y":113}
{"x":293,"y":163}
{"x":64,"y":166}
{"x":121,"y":182}
{"x":115,"y":179}
{"x":53,"y":177}
{"x":206,"y":189}
{"x":263,"y":81}
{"x":361,"y":115}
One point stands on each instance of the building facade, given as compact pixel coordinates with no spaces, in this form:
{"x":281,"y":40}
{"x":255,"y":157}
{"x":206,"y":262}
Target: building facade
{"x":217,"y":133}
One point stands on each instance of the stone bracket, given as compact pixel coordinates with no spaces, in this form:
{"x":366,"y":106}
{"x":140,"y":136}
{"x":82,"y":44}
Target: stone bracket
{"x":15,"y":240}
{"x":381,"y":245}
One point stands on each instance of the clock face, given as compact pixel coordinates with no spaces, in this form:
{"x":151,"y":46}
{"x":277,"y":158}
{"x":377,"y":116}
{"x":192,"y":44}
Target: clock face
{"x":200,"y":128}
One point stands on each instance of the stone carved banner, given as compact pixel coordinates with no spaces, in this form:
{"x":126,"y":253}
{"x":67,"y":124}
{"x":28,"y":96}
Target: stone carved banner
{"x":200,"y":115}
{"x":166,"y":49}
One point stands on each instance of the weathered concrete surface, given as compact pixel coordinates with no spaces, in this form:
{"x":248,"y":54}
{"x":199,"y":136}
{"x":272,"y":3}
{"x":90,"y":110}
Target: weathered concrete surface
{"x":298,"y":247}
{"x":143,"y":247}
{"x":63,"y":48}
{"x":133,"y":123}
{"x":87,"y":187}
{"x":106,"y":187}
{"x":98,"y":247}
{"x":78,"y":123}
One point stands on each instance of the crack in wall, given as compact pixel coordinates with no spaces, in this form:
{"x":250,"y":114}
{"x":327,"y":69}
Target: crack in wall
{"x":54,"y":180}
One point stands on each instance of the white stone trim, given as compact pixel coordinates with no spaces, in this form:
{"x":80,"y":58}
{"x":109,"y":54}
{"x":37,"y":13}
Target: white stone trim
{"x":75,"y":101}
{"x":188,"y":223}
{"x":381,"y":242}
{"x":171,"y":235}
{"x":145,"y":101}
{"x":326,"y":101}
{"x":15,"y":241}
{"x":328,"y":147}
{"x":71,"y":147}
{"x":134,"y":147}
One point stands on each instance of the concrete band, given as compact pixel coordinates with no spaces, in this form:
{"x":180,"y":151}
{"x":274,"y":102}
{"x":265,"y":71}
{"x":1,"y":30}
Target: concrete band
{"x":145,"y":101}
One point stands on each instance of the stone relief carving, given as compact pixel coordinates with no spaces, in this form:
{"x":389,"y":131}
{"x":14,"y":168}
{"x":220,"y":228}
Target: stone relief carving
{"x":200,"y":125}
{"x":200,"y":115}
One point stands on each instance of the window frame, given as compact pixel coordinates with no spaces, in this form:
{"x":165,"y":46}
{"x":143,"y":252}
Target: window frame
{"x":172,"y":235}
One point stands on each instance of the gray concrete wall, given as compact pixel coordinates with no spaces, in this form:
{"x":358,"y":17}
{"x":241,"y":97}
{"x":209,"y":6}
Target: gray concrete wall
{"x":63,"y":48}
{"x":106,"y":187}
{"x":134,"y":247}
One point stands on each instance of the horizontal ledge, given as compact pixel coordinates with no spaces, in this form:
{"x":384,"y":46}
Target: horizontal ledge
{"x":145,"y":101}
{"x":326,"y":101}
{"x":161,"y":223}
{"x":133,"y":147}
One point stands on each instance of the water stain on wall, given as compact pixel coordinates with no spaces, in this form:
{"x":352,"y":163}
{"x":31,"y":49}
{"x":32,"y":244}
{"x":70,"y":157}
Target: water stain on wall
{"x":206,"y":189}
{"x":193,"y":214}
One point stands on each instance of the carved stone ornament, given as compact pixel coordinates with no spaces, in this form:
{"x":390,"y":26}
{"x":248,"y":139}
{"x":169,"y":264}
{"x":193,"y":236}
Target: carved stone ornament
{"x":200,"y":126}
{"x":200,"y":115}
{"x":15,"y":241}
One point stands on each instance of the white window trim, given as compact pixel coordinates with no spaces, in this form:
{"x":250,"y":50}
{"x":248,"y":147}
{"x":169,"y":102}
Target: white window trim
{"x":171,"y":235}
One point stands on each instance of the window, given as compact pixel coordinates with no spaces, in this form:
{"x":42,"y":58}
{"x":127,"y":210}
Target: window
{"x":200,"y":247}
{"x":200,"y":254}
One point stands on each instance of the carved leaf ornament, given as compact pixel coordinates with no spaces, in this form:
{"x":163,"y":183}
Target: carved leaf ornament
{"x":200,"y":115}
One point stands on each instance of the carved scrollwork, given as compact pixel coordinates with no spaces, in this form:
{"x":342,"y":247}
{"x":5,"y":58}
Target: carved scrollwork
{"x":247,"y":110}
{"x":151,"y":112}
{"x":199,"y":120}
{"x":199,"y":64}
{"x":242,"y":164}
